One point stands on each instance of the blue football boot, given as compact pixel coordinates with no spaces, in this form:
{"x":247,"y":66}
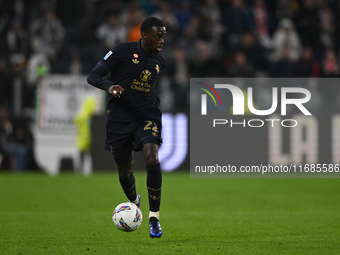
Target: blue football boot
{"x":155,"y":228}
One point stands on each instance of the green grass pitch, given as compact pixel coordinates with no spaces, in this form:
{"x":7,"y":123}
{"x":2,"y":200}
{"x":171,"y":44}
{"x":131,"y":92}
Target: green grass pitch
{"x":71,"y":214}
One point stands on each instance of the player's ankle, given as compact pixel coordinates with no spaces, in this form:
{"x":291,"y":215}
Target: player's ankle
{"x":154,"y":214}
{"x":136,"y":201}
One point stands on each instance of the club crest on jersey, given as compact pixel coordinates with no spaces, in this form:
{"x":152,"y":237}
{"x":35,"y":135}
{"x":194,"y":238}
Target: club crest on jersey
{"x":107,"y":55}
{"x":157,"y":68}
{"x":145,"y":75}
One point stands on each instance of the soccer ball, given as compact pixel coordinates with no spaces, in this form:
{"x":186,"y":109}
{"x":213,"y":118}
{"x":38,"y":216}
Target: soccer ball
{"x":127,"y":217}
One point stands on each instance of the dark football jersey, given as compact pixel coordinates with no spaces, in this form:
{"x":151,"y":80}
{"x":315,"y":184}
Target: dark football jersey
{"x":137,"y":72}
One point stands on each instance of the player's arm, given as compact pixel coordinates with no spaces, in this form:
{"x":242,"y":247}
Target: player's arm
{"x":108,"y":63}
{"x":95,"y":78}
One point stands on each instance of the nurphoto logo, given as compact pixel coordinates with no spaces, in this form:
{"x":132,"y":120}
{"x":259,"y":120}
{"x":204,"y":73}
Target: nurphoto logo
{"x":239,"y":104}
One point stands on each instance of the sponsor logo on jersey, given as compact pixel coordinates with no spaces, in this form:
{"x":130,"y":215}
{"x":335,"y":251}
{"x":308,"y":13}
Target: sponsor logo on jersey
{"x":141,"y":86}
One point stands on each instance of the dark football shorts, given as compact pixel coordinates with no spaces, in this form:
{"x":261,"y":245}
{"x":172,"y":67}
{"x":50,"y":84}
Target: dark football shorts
{"x":124,"y":137}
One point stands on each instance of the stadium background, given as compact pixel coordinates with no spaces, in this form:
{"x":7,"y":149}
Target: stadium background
{"x":48,"y":47}
{"x":43,"y":67}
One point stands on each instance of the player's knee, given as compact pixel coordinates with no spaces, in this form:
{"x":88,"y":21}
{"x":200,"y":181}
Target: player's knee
{"x":152,"y":162}
{"x":150,"y":151}
{"x":151,"y":159}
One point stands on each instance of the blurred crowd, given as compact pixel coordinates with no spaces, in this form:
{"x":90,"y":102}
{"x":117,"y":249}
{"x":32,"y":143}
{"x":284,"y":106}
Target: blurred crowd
{"x":205,"y":38}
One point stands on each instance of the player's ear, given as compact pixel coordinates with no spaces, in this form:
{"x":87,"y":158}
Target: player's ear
{"x":143,"y":35}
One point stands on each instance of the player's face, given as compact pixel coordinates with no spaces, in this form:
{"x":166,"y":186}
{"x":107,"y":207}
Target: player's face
{"x":154,"y":39}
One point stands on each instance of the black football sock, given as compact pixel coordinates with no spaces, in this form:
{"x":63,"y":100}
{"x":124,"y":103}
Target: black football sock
{"x":129,"y":187}
{"x":154,"y":184}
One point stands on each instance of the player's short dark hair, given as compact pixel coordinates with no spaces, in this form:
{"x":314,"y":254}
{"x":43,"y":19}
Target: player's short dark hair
{"x":149,"y":23}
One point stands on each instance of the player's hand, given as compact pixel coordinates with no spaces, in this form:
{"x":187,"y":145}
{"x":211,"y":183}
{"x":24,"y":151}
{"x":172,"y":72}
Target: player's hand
{"x":116,"y":90}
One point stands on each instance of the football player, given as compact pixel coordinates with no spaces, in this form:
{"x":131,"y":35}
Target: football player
{"x":134,"y":119}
